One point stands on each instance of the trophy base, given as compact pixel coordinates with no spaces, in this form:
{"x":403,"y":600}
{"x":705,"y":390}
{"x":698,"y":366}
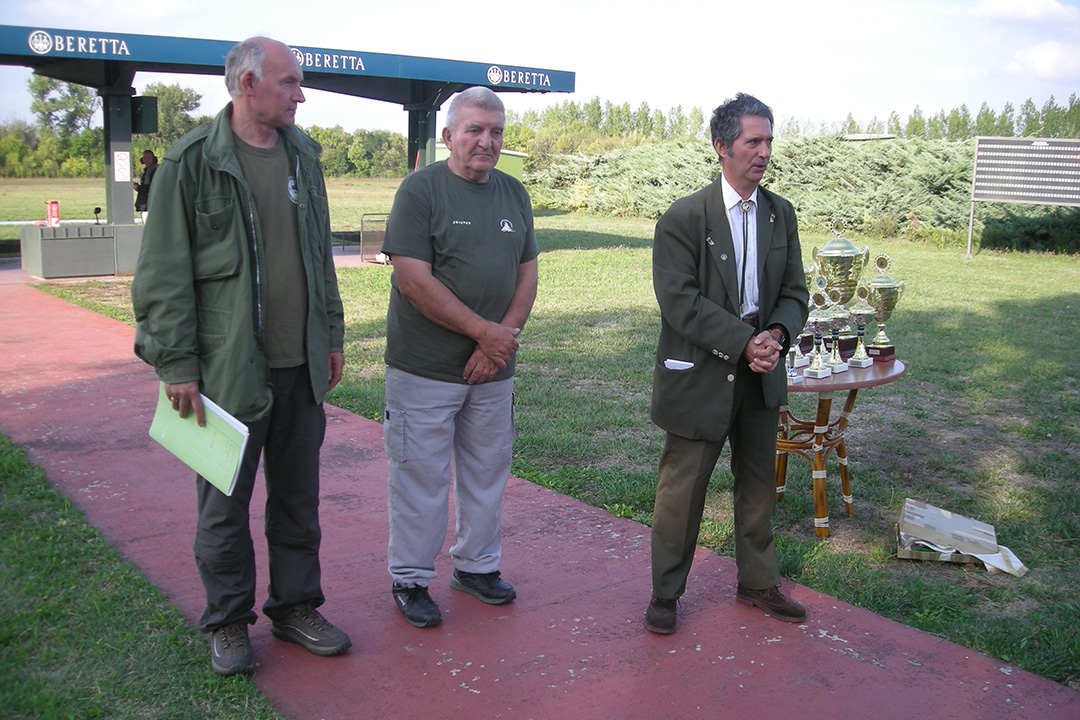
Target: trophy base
{"x":794,"y":378}
{"x":838,"y":367}
{"x":802,"y":361}
{"x":812,"y":373}
{"x":882,"y":353}
{"x":863,"y":363}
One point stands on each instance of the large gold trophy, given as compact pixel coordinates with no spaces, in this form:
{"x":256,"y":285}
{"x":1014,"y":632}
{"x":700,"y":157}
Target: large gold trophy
{"x":842,"y":263}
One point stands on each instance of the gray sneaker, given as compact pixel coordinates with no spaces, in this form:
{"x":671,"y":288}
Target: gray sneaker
{"x":230,"y":650}
{"x":306,"y":627}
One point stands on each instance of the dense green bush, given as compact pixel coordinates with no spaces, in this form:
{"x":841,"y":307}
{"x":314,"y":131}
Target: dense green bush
{"x":636,"y":181}
{"x":912,"y":188}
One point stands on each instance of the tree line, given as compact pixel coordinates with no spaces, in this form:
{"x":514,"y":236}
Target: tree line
{"x":1050,"y":121}
{"x":62,"y":142}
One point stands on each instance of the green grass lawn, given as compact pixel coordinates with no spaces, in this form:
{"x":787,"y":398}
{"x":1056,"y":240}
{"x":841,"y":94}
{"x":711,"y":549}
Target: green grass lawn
{"x":984,"y":423}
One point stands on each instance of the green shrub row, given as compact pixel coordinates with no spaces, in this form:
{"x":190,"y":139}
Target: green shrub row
{"x":910,"y":188}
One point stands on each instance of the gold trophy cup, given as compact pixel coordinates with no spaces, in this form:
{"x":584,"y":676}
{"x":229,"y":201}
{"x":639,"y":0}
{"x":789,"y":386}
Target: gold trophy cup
{"x":842,"y":263}
{"x":884,"y":294}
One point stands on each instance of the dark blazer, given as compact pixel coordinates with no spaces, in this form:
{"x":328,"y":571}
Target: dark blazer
{"x":696,"y":284}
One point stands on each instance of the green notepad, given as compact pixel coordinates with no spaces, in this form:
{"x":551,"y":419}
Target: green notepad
{"x":214,"y":451}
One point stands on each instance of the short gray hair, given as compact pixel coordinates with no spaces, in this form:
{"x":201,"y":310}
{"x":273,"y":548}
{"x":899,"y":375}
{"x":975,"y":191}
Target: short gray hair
{"x":478,"y":97}
{"x":726,"y":123}
{"x":246,"y":56}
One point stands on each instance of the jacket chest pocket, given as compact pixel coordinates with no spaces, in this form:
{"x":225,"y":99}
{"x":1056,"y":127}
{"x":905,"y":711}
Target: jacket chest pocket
{"x":219,"y":237}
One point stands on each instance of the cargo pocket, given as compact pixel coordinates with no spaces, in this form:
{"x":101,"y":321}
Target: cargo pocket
{"x":213,"y":329}
{"x":217,"y":252}
{"x":395,"y":427}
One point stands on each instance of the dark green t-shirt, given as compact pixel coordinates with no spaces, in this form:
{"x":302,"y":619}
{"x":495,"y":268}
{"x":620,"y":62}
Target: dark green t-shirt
{"x":475,"y":235}
{"x":273,"y":187}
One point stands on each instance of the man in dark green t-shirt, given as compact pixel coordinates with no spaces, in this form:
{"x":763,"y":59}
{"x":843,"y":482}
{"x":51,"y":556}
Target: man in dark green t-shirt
{"x":465,"y":273}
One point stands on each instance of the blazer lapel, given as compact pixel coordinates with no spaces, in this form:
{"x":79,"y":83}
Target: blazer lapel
{"x":766,"y":223}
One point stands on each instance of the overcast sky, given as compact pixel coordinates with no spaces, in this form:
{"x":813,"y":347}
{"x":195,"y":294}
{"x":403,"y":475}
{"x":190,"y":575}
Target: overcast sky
{"x":811,"y":61}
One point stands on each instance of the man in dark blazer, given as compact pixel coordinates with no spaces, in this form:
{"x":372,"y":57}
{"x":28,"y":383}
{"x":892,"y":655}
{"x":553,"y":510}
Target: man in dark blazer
{"x":728,"y":275}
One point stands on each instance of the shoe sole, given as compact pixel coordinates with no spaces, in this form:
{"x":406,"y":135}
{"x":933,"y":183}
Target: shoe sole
{"x":294,"y":636}
{"x":430,"y":622}
{"x":458,"y":585}
{"x":750,"y":602}
{"x":659,"y":630}
{"x":230,"y":671}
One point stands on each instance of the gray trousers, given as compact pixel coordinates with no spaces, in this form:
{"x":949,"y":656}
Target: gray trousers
{"x":289,"y":439}
{"x":683,"y":479}
{"x":428,"y":426}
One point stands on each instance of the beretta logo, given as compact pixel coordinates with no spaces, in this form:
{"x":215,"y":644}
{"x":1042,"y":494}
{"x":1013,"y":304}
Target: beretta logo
{"x":40,"y":42}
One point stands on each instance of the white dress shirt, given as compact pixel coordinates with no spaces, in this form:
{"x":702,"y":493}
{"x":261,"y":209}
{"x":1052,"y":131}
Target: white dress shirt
{"x":735,"y":220}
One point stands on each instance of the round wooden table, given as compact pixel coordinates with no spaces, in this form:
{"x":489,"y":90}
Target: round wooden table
{"x":815,"y":440}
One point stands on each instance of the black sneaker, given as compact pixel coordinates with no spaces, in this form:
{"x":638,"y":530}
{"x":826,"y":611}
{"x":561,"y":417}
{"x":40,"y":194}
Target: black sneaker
{"x":306,"y":627}
{"x":230,"y":650}
{"x":488,"y":587}
{"x":416,"y":605}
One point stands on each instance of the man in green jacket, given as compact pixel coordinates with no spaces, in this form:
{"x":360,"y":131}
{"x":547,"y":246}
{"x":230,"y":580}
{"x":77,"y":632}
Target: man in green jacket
{"x":728,"y":276}
{"x":236,"y":298}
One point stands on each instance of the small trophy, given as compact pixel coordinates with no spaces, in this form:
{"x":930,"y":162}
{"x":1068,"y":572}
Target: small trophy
{"x":793,"y":375}
{"x":884,"y":294}
{"x":809,"y":271}
{"x":800,"y":359}
{"x":838,"y":319}
{"x":817,"y":323}
{"x":861,"y":314}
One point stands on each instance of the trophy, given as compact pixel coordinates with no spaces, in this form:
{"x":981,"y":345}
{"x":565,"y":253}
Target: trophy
{"x":884,"y":294}
{"x":842,"y":263}
{"x":793,"y":375}
{"x":808,"y":273}
{"x":838,"y":319}
{"x":861,"y":314}
{"x":817,"y":323}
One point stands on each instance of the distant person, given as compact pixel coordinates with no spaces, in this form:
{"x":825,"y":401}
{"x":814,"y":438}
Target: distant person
{"x":142,"y":188}
{"x":236,"y":297}
{"x":460,"y":236}
{"x":728,"y":276}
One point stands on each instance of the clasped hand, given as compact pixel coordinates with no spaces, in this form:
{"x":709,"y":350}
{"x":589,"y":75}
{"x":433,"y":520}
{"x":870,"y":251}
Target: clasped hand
{"x":762,"y":352}
{"x":493,"y":351}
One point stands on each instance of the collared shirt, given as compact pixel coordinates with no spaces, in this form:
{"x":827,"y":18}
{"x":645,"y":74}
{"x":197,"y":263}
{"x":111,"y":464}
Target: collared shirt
{"x":735,"y":220}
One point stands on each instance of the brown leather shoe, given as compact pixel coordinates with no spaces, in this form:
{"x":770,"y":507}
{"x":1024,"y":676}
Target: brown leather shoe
{"x":773,"y":602}
{"x":660,"y":617}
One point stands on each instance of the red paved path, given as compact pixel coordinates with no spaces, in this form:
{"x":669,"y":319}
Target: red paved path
{"x":572,"y":646}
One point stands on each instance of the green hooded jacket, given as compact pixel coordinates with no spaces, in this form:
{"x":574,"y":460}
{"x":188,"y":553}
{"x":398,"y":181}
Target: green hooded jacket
{"x":199,"y":291}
